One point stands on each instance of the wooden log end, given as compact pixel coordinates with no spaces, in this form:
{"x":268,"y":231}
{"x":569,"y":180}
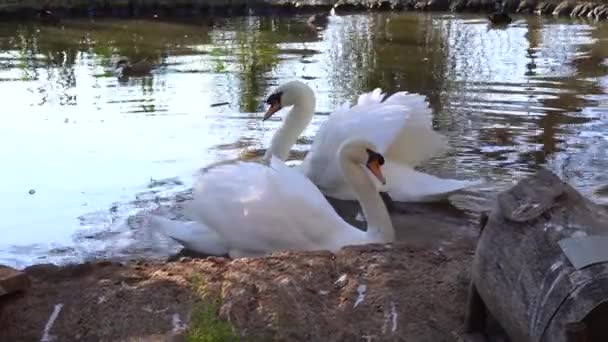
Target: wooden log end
{"x":531,"y":197}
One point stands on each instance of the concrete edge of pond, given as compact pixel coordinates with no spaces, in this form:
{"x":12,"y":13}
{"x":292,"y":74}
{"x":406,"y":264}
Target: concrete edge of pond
{"x":54,"y":10}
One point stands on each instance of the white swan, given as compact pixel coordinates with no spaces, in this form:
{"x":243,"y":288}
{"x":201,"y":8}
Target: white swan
{"x":192,"y":235}
{"x":370,"y":118}
{"x":257,"y":209}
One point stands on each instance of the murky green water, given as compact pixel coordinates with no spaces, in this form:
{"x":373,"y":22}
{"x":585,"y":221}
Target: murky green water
{"x":88,"y":143}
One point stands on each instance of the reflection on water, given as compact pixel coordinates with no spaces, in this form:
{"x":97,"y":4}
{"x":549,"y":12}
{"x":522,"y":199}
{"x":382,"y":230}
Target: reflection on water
{"x":509,"y":100}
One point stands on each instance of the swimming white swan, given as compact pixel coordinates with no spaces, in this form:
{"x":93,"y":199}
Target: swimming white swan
{"x":254,"y":209}
{"x":370,"y":118}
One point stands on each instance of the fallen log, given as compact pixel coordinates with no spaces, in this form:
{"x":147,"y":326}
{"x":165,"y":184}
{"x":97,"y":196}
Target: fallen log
{"x":541,"y":265}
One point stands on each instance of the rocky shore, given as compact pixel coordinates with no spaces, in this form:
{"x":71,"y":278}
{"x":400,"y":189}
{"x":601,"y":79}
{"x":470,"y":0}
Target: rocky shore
{"x":52,"y":10}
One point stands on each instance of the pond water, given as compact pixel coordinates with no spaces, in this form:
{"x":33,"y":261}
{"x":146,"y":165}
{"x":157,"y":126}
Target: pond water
{"x":81,"y":148}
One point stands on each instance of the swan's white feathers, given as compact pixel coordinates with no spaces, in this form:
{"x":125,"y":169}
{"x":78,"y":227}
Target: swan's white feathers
{"x":373,"y":97}
{"x":378,"y":124}
{"x":417,"y":141}
{"x":407,"y":184}
{"x":257,"y":208}
{"x":192,"y":235}
{"x":399,"y":125}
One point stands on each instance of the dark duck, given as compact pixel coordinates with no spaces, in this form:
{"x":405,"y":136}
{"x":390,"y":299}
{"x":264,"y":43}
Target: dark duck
{"x":318,"y":20}
{"x":141,"y":68}
{"x":500,"y":18}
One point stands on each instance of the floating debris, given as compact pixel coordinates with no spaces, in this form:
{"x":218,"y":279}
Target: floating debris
{"x":220,"y":104}
{"x":165,"y":181}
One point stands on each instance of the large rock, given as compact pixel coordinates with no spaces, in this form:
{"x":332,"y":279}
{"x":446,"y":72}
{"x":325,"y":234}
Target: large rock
{"x":12,"y":281}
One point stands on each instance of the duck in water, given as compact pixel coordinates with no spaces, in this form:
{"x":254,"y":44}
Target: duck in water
{"x":47,"y":17}
{"x":318,"y":20}
{"x":500,"y":18}
{"x":141,"y":68}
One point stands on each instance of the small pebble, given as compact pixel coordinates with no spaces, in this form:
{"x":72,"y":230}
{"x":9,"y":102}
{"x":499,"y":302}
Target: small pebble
{"x":32,"y":191}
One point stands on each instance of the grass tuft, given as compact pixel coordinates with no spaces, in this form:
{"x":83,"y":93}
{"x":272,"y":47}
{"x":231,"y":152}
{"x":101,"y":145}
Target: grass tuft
{"x":205,"y":325}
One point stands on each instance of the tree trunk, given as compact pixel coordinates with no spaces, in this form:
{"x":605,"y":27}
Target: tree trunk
{"x":541,"y":265}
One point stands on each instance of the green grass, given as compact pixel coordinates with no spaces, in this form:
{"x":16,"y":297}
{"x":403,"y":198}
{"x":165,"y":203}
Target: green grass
{"x":205,"y":325}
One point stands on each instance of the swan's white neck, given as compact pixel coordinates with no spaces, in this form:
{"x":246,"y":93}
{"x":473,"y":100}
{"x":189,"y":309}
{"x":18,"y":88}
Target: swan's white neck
{"x":379,"y":224}
{"x":293,"y":126}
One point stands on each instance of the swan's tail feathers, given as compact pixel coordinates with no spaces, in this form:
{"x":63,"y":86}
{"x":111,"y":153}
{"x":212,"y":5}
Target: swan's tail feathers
{"x":373,"y":97}
{"x":404,"y":184}
{"x":192,"y":235}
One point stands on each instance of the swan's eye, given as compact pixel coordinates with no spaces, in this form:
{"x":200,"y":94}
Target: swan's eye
{"x":274,"y":99}
{"x":375,"y":156}
{"x":375,"y":160}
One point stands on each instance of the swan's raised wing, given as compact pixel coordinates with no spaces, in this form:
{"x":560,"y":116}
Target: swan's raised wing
{"x":400,"y":126}
{"x":412,"y":139}
{"x":417,"y":141}
{"x":261,"y":209}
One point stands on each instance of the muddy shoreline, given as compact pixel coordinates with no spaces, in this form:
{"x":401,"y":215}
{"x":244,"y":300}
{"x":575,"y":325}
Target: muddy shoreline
{"x":53,"y":11}
{"x":386,"y":292}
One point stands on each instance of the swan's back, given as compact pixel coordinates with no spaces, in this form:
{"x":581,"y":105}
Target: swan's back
{"x":260,"y":209}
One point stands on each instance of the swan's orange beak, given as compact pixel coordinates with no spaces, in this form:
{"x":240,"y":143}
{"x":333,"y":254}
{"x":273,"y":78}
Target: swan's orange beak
{"x":274,"y":107}
{"x":374,"y":166}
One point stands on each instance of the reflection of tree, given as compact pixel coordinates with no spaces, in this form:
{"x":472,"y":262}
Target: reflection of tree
{"x":256,"y":54}
{"x":386,"y":50}
{"x":254,"y":45}
{"x":560,"y":108}
{"x":34,"y":54}
{"x":53,"y":51}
